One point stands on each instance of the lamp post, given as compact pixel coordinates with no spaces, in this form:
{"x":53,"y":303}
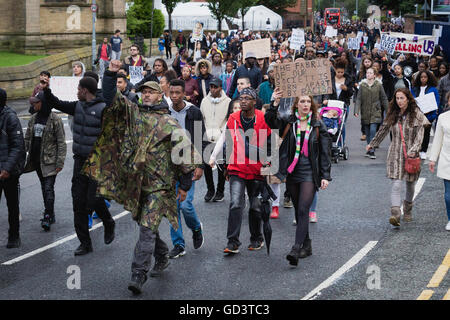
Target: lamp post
{"x":94,"y":9}
{"x":151,"y":28}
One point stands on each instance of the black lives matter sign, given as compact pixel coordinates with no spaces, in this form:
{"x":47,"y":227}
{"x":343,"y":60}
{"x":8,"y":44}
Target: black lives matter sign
{"x":304,"y":78}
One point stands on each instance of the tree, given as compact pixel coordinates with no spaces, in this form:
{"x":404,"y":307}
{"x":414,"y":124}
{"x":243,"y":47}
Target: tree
{"x":244,"y":6}
{"x":139,"y":17}
{"x":221,"y":9}
{"x":404,"y":6}
{"x":170,"y":7}
{"x":279,"y":6}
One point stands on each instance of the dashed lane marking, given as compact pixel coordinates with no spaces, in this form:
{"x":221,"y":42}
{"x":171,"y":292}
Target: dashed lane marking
{"x":440,"y":272}
{"x":425,"y":295}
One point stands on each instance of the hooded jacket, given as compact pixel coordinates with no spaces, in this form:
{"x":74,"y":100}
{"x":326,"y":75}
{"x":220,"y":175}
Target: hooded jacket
{"x":214,"y":111}
{"x":203,"y":83}
{"x":370,"y":101}
{"x":239,"y":163}
{"x":12,"y":146}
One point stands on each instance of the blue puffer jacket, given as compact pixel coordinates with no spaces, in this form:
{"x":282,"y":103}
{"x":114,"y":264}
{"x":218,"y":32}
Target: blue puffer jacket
{"x":433,"y":114}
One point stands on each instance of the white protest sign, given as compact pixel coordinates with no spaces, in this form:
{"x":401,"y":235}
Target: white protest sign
{"x":197,"y":33}
{"x":353,"y":43}
{"x":360,"y":35}
{"x":330,"y":32}
{"x":427,"y":102}
{"x":136,"y":74}
{"x":261,"y":48}
{"x":65,"y":88}
{"x":365,"y":39}
{"x":388,"y":43}
{"x":297,"y":39}
{"x":414,"y":43}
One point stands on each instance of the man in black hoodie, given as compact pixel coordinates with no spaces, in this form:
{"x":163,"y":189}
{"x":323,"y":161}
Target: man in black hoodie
{"x":87,"y":127}
{"x":12,"y":160}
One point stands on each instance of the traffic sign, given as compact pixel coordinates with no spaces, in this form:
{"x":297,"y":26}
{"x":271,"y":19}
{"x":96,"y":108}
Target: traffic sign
{"x":94,"y":8}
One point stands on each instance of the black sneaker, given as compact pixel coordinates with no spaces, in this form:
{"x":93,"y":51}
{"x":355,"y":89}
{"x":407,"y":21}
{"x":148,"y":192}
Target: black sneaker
{"x":177,"y":251}
{"x":231,"y":249}
{"x":288,"y":203}
{"x":13,"y":243}
{"x":45,"y":223}
{"x":218,"y":197}
{"x":82,"y":250}
{"x":367,"y":155}
{"x":197,"y":237}
{"x":372,"y":155}
{"x":136,"y":283}
{"x":294,"y":255}
{"x":255,"y":245}
{"x":209,"y":195}
{"x":159,"y":267}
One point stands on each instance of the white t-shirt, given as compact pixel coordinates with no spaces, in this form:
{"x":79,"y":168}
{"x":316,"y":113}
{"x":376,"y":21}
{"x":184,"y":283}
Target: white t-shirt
{"x":422,"y":90}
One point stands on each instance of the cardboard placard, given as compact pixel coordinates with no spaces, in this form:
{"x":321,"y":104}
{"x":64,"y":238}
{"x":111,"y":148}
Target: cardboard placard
{"x":303,"y":78}
{"x":261,"y":48}
{"x":330,"y":32}
{"x":65,"y":88}
{"x":427,"y":102}
{"x":136,"y":74}
{"x":297,"y":39}
{"x":388,"y":43}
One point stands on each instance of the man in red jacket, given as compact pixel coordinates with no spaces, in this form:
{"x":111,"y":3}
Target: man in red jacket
{"x":248,"y":134}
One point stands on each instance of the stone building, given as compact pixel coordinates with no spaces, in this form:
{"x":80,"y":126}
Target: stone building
{"x":51,"y":26}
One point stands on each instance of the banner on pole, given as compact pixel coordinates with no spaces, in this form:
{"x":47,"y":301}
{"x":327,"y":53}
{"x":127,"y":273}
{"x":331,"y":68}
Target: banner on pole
{"x":413,"y":43}
{"x":297,"y":39}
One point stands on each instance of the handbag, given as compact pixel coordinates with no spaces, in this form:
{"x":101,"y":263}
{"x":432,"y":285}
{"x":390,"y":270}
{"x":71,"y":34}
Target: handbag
{"x":412,"y":164}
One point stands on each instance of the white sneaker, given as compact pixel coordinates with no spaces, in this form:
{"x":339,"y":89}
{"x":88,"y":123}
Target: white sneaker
{"x":423,"y":155}
{"x":447,"y":227}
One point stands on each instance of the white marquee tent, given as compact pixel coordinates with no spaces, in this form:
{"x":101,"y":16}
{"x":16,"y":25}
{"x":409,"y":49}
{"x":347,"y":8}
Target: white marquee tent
{"x":187,"y":14}
{"x":256,"y":18}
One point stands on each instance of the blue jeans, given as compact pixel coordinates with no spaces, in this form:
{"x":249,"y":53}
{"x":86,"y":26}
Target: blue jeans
{"x":370,"y":130}
{"x":190,"y":217}
{"x":447,"y":197}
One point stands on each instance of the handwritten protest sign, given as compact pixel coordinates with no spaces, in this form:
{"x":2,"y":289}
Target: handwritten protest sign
{"x":65,"y":88}
{"x":360,"y":35}
{"x":413,"y":43}
{"x":136,"y":74}
{"x":197,"y":33}
{"x":302,"y":78}
{"x":388,"y":43}
{"x":297,"y":39}
{"x":261,"y":48}
{"x":330,"y":32}
{"x":353,"y":43}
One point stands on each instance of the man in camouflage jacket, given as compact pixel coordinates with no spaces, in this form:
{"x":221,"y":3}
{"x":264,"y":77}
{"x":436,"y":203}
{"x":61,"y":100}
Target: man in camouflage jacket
{"x":132,"y":163}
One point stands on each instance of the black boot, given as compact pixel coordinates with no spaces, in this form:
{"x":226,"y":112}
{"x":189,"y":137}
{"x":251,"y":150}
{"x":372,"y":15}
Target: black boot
{"x":136,"y":283}
{"x":306,"y":249}
{"x":109,"y":232}
{"x":46,"y":222}
{"x":13,"y":242}
{"x":294,"y":255}
{"x":83,"y":249}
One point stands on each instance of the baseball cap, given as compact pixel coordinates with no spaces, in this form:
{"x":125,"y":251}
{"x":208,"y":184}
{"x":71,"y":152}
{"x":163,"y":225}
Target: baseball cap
{"x":216,"y":82}
{"x":152,"y":85}
{"x":37,"y":98}
{"x":250,"y":55}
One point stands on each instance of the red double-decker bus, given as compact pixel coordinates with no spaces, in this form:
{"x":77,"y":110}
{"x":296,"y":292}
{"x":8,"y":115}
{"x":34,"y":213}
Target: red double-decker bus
{"x":332,"y":16}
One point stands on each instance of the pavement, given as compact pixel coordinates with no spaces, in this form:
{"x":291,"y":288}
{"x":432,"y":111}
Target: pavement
{"x":357,"y":255}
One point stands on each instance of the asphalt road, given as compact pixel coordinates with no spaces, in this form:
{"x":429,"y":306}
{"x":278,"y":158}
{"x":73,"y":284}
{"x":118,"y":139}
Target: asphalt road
{"x":352,"y":216}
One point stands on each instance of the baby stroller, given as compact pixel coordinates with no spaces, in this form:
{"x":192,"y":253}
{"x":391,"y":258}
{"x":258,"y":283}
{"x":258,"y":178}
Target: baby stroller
{"x":335,"y":125}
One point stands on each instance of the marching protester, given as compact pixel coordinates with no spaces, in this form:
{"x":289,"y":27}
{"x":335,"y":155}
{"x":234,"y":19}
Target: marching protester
{"x":104,"y":54}
{"x":159,"y":69}
{"x":304,"y":160}
{"x":122,"y":86}
{"x":12,"y":160}
{"x":190,"y":118}
{"x":214,"y":109}
{"x":248,"y":70}
{"x":191,"y":85}
{"x":168,"y":44}
{"x":45,"y":144}
{"x":203,"y":71}
{"x":87,"y":116}
{"x":227,"y":76}
{"x":426,"y":83}
{"x":406,"y":123}
{"x":370,"y":102}
{"x":116,"y":46}
{"x":135,"y":59}
{"x":443,"y":89}
{"x":440,"y":150}
{"x":158,"y":184}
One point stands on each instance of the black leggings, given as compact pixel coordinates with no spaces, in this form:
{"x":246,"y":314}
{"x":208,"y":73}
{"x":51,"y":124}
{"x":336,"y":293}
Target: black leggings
{"x":302,"y":197}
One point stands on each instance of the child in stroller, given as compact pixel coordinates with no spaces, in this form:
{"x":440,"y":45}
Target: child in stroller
{"x":331,"y":120}
{"x":334,"y":118}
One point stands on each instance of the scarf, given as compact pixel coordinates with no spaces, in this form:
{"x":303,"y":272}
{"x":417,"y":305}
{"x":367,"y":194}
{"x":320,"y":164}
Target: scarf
{"x":304,"y":149}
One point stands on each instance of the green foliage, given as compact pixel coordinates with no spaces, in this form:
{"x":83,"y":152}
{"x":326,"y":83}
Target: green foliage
{"x":221,"y":9}
{"x":279,"y":6}
{"x":355,"y":18}
{"x":10,"y":59}
{"x":139,"y":18}
{"x":404,"y":6}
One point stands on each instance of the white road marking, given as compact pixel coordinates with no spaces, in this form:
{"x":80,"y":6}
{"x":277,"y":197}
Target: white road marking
{"x":346,"y":267}
{"x":59,"y":242}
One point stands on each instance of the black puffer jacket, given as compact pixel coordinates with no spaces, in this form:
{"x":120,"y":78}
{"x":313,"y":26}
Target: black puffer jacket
{"x":12,"y":145}
{"x":319,"y":147}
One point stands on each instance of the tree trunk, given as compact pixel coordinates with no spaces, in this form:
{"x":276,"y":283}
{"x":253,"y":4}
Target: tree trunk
{"x":219,"y":24}
{"x":170,"y":22}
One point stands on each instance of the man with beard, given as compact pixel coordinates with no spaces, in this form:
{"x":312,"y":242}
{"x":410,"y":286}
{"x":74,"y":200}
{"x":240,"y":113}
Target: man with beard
{"x":248,"y":70}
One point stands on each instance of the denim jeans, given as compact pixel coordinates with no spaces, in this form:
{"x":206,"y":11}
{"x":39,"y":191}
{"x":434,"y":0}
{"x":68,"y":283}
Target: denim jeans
{"x":447,"y":197}
{"x":370,"y":131}
{"x":190,"y":217}
{"x":116,"y":55}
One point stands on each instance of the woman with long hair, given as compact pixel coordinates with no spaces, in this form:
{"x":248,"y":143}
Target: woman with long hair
{"x":443,"y":70}
{"x":405,"y":122}
{"x":366,"y":63}
{"x":191,"y":85}
{"x":304,"y":161}
{"x":425,"y":83}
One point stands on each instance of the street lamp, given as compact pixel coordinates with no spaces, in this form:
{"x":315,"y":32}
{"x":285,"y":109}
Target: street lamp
{"x":94,"y":9}
{"x":151,"y":28}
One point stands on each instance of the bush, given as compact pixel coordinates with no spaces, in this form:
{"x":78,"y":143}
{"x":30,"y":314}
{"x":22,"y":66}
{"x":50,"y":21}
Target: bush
{"x":139,"y":19}
{"x":355,"y":18}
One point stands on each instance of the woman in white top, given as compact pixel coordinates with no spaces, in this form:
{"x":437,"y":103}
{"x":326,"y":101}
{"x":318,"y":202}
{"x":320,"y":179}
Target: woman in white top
{"x":441,"y":150}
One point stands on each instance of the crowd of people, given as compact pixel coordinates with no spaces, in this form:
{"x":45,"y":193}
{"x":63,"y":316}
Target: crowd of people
{"x":212,"y":91}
